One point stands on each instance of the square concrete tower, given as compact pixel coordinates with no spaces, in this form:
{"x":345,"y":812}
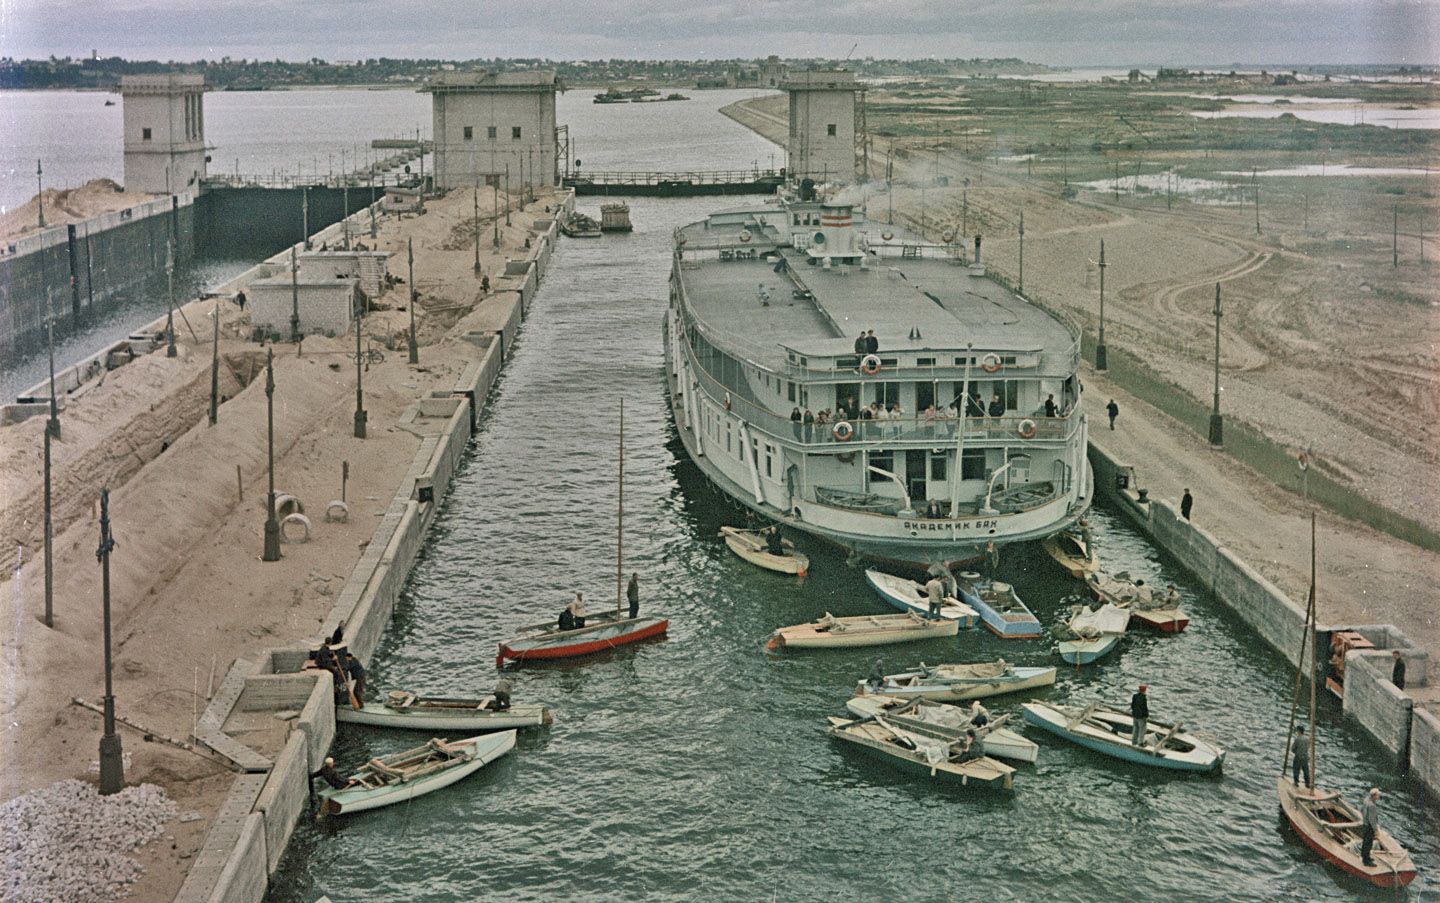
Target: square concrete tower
{"x":164,"y":118}
{"x":822,"y":125}
{"x":484,"y":121}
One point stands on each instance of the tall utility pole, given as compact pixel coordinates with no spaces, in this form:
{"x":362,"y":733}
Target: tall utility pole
{"x":496,"y":200}
{"x":1395,"y":239}
{"x":305,"y":216}
{"x":346,"y":195}
{"x":477,"y":227}
{"x":170,"y":295}
{"x":52,"y":432}
{"x":1022,"y":252}
{"x":215,"y":369}
{"x":294,"y":297}
{"x":1217,"y":426}
{"x":52,"y":427}
{"x":1101,"y":363}
{"x":272,"y":526}
{"x":40,"y":193}
{"x":414,"y":296}
{"x":360,"y":415}
{"x":507,"y":194}
{"x":1254,"y":179}
{"x":112,"y":760}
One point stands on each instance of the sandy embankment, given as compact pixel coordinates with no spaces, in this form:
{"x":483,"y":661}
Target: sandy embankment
{"x":189,"y":594}
{"x":1305,"y":336}
{"x":68,"y":205}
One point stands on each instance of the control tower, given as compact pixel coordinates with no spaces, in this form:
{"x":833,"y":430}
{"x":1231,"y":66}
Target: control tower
{"x":485,"y":121}
{"x":822,"y":125}
{"x":164,"y":118}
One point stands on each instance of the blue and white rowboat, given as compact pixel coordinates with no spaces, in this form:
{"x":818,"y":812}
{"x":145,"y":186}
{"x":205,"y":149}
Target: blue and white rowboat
{"x":999,"y":607}
{"x":1108,"y":731}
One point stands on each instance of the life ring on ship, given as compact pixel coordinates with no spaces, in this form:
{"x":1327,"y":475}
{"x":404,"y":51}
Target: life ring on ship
{"x":990,"y":363}
{"x":727,"y":401}
{"x":870,"y":365}
{"x":846,"y":459}
{"x":843,"y":431}
{"x":887,"y":235}
{"x":744,"y":234}
{"x":1027,"y":429}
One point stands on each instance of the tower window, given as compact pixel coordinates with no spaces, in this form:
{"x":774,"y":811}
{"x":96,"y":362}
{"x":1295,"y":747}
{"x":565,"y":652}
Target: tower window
{"x":469,"y":132}
{"x":515,"y":133}
{"x":830,"y":130}
{"x":144,"y":134}
{"x":490,"y":133}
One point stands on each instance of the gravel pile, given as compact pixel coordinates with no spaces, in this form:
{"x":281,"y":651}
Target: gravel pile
{"x":66,"y":842}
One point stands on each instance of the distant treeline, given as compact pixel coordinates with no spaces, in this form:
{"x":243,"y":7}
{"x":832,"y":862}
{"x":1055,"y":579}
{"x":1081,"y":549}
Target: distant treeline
{"x":245,"y":74}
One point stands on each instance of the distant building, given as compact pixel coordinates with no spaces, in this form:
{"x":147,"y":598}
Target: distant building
{"x":164,"y":122}
{"x":772,"y":72}
{"x":486,"y":121}
{"x":821,"y":145}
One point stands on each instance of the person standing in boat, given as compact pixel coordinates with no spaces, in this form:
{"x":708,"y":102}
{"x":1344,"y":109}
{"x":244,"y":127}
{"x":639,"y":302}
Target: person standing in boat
{"x":632,"y":595}
{"x":936,"y":591}
{"x":1139,"y":714}
{"x":877,"y":674}
{"x":979,"y":715}
{"x":577,"y":610}
{"x":973,"y":406}
{"x":1369,"y":825}
{"x":356,"y":671}
{"x":1300,"y":764}
{"x":773,"y":544}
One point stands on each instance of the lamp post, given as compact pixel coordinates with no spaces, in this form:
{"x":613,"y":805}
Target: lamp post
{"x":360,"y":415}
{"x":170,"y":300}
{"x":1022,"y":253}
{"x":496,"y":200}
{"x":112,"y":762}
{"x":414,"y":296}
{"x":215,"y":368}
{"x":477,"y":227}
{"x":1100,"y":351}
{"x":294,"y":297}
{"x":52,"y":426}
{"x":507,"y":194}
{"x":40,"y":193}
{"x":272,"y":527}
{"x":1217,"y":426}
{"x":305,"y":215}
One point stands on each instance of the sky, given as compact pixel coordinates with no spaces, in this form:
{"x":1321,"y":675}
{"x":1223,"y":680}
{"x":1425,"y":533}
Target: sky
{"x":1112,"y":33}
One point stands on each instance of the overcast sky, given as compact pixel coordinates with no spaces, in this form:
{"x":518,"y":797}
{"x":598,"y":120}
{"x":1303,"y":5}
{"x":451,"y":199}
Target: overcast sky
{"x":1209,"y":33}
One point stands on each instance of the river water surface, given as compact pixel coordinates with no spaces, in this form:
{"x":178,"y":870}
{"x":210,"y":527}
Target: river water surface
{"x":697,"y":767}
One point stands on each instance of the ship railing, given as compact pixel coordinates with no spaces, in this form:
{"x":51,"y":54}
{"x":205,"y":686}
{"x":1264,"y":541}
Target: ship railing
{"x":919,"y":430}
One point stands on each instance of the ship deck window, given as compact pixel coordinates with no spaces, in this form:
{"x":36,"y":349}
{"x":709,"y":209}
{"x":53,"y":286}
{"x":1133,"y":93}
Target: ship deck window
{"x":972,"y":464}
{"x":924,"y":361}
{"x":937,"y":467}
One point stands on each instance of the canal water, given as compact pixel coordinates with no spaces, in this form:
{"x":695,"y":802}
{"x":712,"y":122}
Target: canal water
{"x":697,"y":767}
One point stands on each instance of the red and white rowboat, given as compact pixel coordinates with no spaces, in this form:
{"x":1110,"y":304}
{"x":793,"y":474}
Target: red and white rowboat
{"x":549,"y":642}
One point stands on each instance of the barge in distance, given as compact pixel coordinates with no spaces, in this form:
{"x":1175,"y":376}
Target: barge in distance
{"x":766,"y":304}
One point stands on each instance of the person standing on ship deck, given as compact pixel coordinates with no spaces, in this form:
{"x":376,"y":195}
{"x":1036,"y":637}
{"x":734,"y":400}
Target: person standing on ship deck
{"x":796,"y":418}
{"x":1050,"y":410}
{"x":872,"y":344}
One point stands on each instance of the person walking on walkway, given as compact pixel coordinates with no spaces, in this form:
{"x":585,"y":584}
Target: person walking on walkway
{"x":1187,"y":501}
{"x":1397,"y":673}
{"x":1139,"y":714}
{"x":1113,"y":410}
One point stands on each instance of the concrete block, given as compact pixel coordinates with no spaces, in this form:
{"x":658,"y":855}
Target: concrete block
{"x":284,"y":661}
{"x":1425,"y":749}
{"x":244,"y":878}
{"x":317,"y":721}
{"x":437,"y":407}
{"x":517,"y":267}
{"x":284,"y":798}
{"x":1372,"y":700}
{"x":275,"y":692}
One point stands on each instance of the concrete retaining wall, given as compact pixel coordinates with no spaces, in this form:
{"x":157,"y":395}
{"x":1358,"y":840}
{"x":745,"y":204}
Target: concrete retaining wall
{"x":317,"y":721}
{"x":1425,"y":748}
{"x":1260,"y":604}
{"x":284,"y":797}
{"x":245,"y":878}
{"x":1373,"y":700}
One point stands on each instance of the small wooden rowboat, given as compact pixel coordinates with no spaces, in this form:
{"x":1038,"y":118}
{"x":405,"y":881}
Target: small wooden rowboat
{"x":921,"y":751}
{"x":415,"y":772}
{"x":1120,"y":590}
{"x":1108,"y":731}
{"x":907,"y":595}
{"x":997,"y":740}
{"x":864,"y":630}
{"x":543,"y":641}
{"x":952,"y":683}
{"x":1093,"y":633}
{"x":438,"y":714}
{"x":1071,"y":553}
{"x":751,"y":546}
{"x":1313,"y":816}
{"x":1000,"y":608}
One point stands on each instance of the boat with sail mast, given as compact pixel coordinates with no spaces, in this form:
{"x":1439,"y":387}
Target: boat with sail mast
{"x":1324,"y":820}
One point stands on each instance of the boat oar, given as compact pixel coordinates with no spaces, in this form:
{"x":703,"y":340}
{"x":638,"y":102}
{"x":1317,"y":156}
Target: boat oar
{"x":354,"y":703}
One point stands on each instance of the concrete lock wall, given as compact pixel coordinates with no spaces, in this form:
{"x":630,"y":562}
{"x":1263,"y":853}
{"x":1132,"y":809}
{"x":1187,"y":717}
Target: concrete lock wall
{"x":1373,"y":701}
{"x":1425,"y":748}
{"x":275,"y":692}
{"x":317,"y":721}
{"x":245,"y":876}
{"x":1261,"y":604}
{"x":285,"y":796}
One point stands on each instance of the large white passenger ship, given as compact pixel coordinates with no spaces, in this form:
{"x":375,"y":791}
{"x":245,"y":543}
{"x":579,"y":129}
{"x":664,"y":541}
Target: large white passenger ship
{"x":890,"y":456}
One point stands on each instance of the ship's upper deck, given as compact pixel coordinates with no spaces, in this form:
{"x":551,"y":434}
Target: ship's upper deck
{"x":758,"y":282}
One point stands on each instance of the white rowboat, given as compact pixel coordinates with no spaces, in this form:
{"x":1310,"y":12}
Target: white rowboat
{"x":865,"y":630}
{"x":438,"y":714}
{"x":749,"y":545}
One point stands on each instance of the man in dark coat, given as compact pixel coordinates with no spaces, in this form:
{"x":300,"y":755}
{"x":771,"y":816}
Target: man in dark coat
{"x":872,"y":344}
{"x":1397,"y":673}
{"x":1139,"y":713}
{"x":1113,"y":410}
{"x":997,"y":407}
{"x":632,"y":595}
{"x":1187,"y":501}
{"x":1301,"y":762}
